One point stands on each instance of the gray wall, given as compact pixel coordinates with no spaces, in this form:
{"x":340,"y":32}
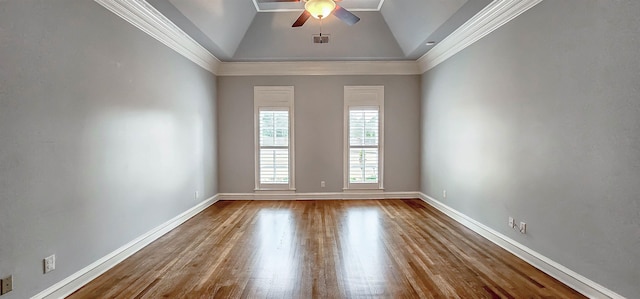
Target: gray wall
{"x":540,"y":121}
{"x":318,"y":130}
{"x":105,"y":133}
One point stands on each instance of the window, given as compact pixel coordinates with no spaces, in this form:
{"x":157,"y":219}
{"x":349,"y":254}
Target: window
{"x":273,"y":109}
{"x":363,"y":151}
{"x":274,"y":146}
{"x":363,"y":145}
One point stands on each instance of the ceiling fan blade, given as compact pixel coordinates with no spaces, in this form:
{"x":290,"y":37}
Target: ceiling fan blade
{"x":345,"y":15}
{"x":301,"y":19}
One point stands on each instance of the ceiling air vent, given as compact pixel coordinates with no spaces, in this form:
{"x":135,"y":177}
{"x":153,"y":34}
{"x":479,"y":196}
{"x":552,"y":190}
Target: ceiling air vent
{"x":321,"y":38}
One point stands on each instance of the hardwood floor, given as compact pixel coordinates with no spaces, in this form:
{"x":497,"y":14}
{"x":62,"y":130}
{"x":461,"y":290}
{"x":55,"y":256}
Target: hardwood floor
{"x":323,"y":249}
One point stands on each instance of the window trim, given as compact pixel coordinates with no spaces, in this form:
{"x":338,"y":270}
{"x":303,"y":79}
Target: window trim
{"x":273,"y":98}
{"x":363,"y":97}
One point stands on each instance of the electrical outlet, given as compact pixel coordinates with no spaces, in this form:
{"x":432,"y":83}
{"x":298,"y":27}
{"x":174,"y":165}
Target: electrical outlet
{"x":49,"y":263}
{"x":523,"y":227}
{"x":322,"y":184}
{"x":196,"y":195}
{"x":444,"y":193}
{"x":512,"y":223}
{"x":6,"y":285}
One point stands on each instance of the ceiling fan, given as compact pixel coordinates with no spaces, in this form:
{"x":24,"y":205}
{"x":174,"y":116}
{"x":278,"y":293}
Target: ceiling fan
{"x":320,"y":9}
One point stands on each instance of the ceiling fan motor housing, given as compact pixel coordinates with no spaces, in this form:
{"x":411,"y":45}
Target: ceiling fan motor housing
{"x":320,"y":8}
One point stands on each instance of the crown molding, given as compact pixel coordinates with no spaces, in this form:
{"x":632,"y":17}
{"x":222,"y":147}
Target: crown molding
{"x":255,"y":3}
{"x":144,"y":16}
{"x":148,"y":19}
{"x":296,"y":68}
{"x":492,"y":17}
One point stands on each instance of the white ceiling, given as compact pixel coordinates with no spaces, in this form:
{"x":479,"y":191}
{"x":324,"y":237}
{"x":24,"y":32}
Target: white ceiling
{"x":239,"y":30}
{"x":223,"y":21}
{"x":270,"y":37}
{"x":412,"y":22}
{"x":352,"y":5}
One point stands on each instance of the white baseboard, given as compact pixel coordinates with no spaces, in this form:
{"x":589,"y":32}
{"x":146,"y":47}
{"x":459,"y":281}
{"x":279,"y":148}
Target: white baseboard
{"x":88,"y":273}
{"x":364,"y":194}
{"x":578,"y":282}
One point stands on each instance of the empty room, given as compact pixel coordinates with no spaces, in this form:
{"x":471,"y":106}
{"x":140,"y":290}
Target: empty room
{"x":319,"y":149}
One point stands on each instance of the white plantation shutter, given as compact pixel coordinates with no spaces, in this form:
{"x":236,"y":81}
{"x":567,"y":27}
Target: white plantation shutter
{"x":363,"y":145}
{"x":274,"y":146}
{"x":364,"y":142}
{"x":273,"y":112}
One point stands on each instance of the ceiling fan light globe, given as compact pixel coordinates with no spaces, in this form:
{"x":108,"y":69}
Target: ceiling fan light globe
{"x":320,"y":9}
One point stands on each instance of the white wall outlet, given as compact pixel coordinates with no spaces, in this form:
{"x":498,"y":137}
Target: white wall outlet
{"x":523,"y":228}
{"x":49,"y":263}
{"x":196,"y":195}
{"x":322,"y":184}
{"x":6,"y":285}
{"x":512,"y":223}
{"x":444,"y":193}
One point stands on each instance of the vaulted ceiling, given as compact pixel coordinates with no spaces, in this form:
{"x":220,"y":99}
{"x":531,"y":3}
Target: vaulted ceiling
{"x":253,"y":30}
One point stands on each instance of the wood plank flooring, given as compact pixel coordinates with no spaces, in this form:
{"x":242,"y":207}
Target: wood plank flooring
{"x":323,"y":249}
